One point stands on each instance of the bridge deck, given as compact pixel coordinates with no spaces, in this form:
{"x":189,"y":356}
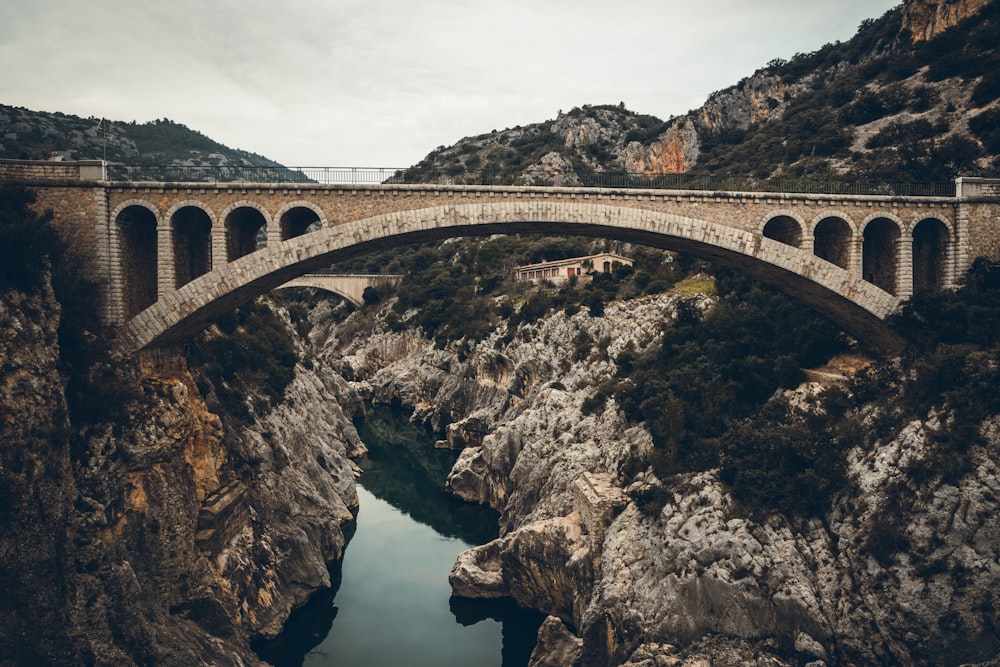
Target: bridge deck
{"x":174,"y":254}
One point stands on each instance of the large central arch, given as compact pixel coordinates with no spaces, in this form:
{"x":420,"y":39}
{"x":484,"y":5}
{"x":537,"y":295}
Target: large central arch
{"x":857,"y":306}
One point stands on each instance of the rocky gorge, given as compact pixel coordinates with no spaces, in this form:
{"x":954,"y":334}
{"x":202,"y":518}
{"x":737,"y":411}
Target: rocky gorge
{"x":175,"y":537}
{"x":699,"y":581}
{"x":154,"y":528}
{"x":163,"y":537}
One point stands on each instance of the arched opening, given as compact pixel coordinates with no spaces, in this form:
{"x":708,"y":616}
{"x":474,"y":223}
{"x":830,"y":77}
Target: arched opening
{"x":930,"y":251}
{"x":858,"y":306}
{"x":137,"y":254}
{"x":832,"y":241}
{"x":246,"y":232}
{"x":192,"y":232}
{"x":785,"y":229}
{"x":879,"y":254}
{"x":298,"y":221}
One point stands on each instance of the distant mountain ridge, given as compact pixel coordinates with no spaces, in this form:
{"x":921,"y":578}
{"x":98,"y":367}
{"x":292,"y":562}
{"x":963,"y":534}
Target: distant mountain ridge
{"x":914,"y":95}
{"x":40,"y":135}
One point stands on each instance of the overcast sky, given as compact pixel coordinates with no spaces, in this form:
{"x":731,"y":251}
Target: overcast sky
{"x":381,"y":83}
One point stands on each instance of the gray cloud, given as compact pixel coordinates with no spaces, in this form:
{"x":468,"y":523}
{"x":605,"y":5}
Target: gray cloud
{"x":382,"y":82}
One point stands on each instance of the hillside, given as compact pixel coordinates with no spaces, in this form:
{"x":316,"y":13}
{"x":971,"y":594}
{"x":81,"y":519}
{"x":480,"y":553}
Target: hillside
{"x":912,"y":96}
{"x":39,"y":135}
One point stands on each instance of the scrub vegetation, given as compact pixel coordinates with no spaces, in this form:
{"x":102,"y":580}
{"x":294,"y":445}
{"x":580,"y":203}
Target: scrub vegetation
{"x":248,"y":352}
{"x":463,"y":289}
{"x":708,"y":410}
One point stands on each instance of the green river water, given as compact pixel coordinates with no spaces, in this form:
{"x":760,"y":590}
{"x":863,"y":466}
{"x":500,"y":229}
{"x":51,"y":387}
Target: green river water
{"x":390,"y":603}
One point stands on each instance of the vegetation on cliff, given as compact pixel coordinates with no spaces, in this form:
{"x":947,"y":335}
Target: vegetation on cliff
{"x":39,"y":135}
{"x":877,"y":106}
{"x":880,"y":106}
{"x":707,"y":395}
{"x":247,"y":353}
{"x":463,"y":289}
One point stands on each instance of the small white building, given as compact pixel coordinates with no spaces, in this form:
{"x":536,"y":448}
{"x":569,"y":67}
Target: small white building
{"x":562,"y":270}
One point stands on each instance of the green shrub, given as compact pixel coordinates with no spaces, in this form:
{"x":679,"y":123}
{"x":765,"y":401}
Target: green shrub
{"x":249,"y":351}
{"x":986,"y":126}
{"x":783,"y":461}
{"x":715,"y":369}
{"x":27,"y":240}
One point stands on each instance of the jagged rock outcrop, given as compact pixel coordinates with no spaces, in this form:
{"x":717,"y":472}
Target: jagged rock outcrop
{"x":698,"y":581}
{"x":300,"y":497}
{"x":673,"y":152}
{"x":155,"y":540}
{"x":557,"y":646}
{"x":926,"y":19}
{"x":755,"y":100}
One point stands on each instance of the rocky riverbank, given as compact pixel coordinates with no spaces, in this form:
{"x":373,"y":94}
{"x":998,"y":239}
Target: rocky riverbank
{"x":171,"y":539}
{"x":699,"y":580}
{"x":162,"y":538}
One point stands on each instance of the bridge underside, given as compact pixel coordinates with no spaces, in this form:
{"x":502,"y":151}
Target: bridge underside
{"x":857,"y":306}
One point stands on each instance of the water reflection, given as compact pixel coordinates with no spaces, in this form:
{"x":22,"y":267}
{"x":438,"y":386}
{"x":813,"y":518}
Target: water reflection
{"x":390,"y":603}
{"x":404,"y":469}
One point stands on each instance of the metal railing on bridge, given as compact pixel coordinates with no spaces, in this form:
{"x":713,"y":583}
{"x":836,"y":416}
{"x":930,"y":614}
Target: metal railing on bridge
{"x":594,"y":179}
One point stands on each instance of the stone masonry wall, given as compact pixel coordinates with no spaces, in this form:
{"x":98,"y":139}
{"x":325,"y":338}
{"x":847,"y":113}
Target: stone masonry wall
{"x":337,"y":204}
{"x":983,"y":221}
{"x":698,"y":221}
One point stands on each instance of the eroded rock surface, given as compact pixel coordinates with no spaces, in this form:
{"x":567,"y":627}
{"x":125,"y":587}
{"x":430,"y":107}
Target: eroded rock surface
{"x":699,"y":582}
{"x":161,"y":538}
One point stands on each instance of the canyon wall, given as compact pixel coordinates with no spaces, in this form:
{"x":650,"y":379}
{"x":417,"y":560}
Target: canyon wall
{"x":160,"y":538}
{"x":698,"y":579}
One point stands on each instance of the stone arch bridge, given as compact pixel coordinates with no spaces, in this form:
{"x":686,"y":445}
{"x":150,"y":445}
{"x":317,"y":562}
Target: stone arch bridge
{"x":173,"y":256}
{"x":351,"y":287}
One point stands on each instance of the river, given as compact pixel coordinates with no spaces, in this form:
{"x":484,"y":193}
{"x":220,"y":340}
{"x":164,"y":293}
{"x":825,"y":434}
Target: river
{"x":390,"y":603}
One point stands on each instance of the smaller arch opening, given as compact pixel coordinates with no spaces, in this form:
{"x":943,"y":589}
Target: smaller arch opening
{"x":879,"y":254}
{"x":930,"y":252}
{"x":246,"y":232}
{"x":785,"y":229}
{"x":298,"y":221}
{"x":192,"y":232}
{"x":138,"y":258}
{"x":832,"y":241}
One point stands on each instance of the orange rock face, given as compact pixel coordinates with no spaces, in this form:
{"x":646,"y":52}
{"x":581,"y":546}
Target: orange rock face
{"x":925,"y":19}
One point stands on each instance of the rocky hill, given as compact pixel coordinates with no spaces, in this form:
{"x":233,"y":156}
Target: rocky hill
{"x":913,"y":96}
{"x":39,"y":135}
{"x":851,"y":525}
{"x":139,"y":527}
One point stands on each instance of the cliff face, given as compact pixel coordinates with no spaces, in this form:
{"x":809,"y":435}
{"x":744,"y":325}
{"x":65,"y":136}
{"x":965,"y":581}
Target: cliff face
{"x":700,"y":579}
{"x":900,"y":100}
{"x":152,"y":541}
{"x":926,"y":19}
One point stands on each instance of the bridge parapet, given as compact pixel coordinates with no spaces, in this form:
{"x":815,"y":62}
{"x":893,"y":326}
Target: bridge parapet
{"x":971,"y":188}
{"x":179,"y":252}
{"x":52,"y":171}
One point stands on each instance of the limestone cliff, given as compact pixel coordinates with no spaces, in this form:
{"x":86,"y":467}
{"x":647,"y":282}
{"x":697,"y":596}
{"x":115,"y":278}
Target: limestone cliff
{"x":698,"y":581}
{"x":911,"y":96}
{"x":155,"y":540}
{"x":926,"y":19}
